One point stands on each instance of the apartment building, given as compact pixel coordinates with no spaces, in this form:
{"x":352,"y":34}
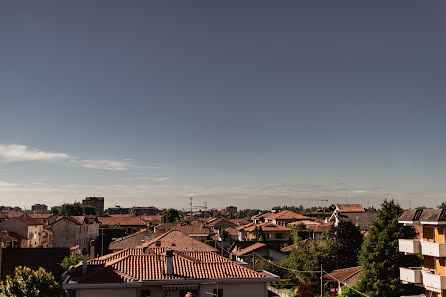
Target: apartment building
{"x":69,"y":231}
{"x":29,"y":232}
{"x":432,"y":245}
{"x":96,"y":202}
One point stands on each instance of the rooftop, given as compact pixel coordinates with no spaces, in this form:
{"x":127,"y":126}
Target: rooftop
{"x":178,"y":241}
{"x":186,"y":265}
{"x":350,"y":208}
{"x":122,"y":221}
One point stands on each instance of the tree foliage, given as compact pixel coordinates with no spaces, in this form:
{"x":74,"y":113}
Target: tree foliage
{"x":308,"y":288}
{"x":30,"y":283}
{"x":73,"y":209}
{"x":347,"y":244}
{"x":170,"y":215}
{"x":299,"y":232}
{"x":442,"y":205}
{"x":379,"y":258}
{"x":73,"y":259}
{"x":309,"y":258}
{"x":348,"y":292}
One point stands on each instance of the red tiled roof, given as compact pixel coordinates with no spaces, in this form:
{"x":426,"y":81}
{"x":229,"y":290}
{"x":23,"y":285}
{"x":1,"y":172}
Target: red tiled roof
{"x":28,"y":220}
{"x":132,"y":240}
{"x":343,"y":274}
{"x":197,"y":265}
{"x":306,"y":242}
{"x":176,"y":240}
{"x":154,"y":219}
{"x":351,"y":208}
{"x":122,"y":221}
{"x":5,"y":237}
{"x":239,"y":221}
{"x":39,"y":215}
{"x":14,"y":214}
{"x":267,"y":227}
{"x":288,"y":215}
{"x":232,"y":231}
{"x":248,"y":249}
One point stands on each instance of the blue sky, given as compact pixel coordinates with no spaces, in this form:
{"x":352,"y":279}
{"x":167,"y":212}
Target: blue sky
{"x":249,"y":103}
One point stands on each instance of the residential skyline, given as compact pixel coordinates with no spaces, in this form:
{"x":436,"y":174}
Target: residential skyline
{"x":252,"y":103}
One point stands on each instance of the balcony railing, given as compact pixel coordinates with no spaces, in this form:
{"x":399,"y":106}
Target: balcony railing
{"x":411,"y":275}
{"x":409,"y":246}
{"x":434,"y":280}
{"x":433,"y":249}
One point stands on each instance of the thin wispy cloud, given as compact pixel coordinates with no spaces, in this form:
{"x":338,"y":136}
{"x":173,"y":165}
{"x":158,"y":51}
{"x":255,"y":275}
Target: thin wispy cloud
{"x":21,"y":153}
{"x":17,"y":153}
{"x":112,"y":165}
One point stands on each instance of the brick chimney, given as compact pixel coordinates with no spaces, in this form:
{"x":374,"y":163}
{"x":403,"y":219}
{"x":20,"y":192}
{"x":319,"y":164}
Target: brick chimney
{"x":84,"y":261}
{"x":169,"y":262}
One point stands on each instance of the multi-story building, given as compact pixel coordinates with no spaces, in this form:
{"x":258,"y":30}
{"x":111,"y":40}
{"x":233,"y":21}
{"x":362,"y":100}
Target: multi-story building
{"x":70,"y":231}
{"x":39,"y":208}
{"x":432,"y":245}
{"x":144,"y":210}
{"x":28,"y":231}
{"x":96,"y":202}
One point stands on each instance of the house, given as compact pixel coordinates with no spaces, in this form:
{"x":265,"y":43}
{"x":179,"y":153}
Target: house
{"x":197,"y":232}
{"x":285,"y":217}
{"x":354,"y":213}
{"x":44,"y":218}
{"x":7,"y":240}
{"x":69,"y":231}
{"x":268,"y":232}
{"x":166,"y":273}
{"x":176,"y":240}
{"x":341,"y":277}
{"x":144,"y":210}
{"x":290,"y":248}
{"x":129,"y":224}
{"x":28,"y":231}
{"x":220,"y":224}
{"x":245,"y":254}
{"x":431,"y":247}
{"x":315,"y":228}
{"x":39,"y":208}
{"x":131,"y":241}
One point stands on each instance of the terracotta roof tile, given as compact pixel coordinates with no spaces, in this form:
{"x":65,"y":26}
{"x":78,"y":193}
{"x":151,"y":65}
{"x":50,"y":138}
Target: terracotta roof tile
{"x":179,"y":241}
{"x":248,"y":249}
{"x":288,"y":215}
{"x":267,"y":227}
{"x":351,"y":208}
{"x":196,"y":265}
{"x":132,"y":240}
{"x":343,"y":274}
{"x":122,"y":221}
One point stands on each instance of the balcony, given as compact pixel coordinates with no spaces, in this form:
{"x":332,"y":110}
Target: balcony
{"x":409,"y":246}
{"x":433,"y":249}
{"x":434,"y":280}
{"x":411,"y":275}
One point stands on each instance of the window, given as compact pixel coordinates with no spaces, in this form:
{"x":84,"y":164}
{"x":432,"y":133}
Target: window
{"x":279,"y":236}
{"x":218,"y":293}
{"x":145,"y":293}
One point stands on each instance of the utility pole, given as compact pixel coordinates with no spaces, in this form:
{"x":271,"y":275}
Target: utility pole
{"x":322,"y":281}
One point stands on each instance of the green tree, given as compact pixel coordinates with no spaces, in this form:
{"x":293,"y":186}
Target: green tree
{"x":30,"y":283}
{"x":73,"y":259}
{"x":349,"y":292}
{"x":347,"y":244}
{"x":379,"y":258}
{"x":88,"y":210}
{"x":442,"y":205}
{"x":299,"y":232}
{"x":170,"y":215}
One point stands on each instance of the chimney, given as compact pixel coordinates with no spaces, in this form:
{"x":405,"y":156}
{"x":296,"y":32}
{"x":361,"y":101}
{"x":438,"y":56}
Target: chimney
{"x":158,"y":243}
{"x":92,"y":249}
{"x":169,"y":262}
{"x":84,"y":261}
